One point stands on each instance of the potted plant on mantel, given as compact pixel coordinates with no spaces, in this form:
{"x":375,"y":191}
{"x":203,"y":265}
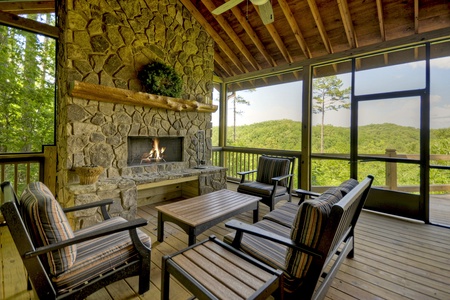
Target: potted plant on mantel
{"x":89,"y":173}
{"x":160,"y":79}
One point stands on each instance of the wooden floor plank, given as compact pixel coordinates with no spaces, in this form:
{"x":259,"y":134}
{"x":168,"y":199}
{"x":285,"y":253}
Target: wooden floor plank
{"x":394,"y":259}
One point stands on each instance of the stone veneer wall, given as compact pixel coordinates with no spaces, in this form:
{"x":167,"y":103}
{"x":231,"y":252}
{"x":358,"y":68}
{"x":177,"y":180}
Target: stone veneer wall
{"x":107,"y":42}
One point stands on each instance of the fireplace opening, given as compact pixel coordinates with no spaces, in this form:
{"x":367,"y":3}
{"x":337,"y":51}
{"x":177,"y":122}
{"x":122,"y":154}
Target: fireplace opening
{"x":151,"y":150}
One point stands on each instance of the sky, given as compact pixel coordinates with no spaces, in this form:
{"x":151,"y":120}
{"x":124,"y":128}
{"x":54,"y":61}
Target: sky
{"x":284,"y":101}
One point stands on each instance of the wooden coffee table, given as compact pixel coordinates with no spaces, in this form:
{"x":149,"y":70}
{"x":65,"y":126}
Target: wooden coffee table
{"x":195,"y":215}
{"x":212,"y":269}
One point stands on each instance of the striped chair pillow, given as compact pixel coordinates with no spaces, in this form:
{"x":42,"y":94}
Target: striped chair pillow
{"x":48,"y":224}
{"x":347,"y":186}
{"x":269,"y":167}
{"x":307,"y":229}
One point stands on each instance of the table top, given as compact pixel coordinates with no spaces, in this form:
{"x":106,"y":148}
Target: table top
{"x":201,"y":209}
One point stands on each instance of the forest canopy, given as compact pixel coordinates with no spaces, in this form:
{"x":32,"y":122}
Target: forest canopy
{"x":27,"y":89}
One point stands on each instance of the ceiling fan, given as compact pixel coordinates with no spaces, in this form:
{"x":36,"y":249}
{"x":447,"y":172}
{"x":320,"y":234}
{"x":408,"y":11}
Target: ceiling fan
{"x":265,"y":9}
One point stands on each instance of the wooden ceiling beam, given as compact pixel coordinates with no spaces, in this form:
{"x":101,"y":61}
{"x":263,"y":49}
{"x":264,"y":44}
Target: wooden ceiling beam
{"x":28,"y":7}
{"x":277,"y":39}
{"x":216,"y":37}
{"x":28,"y":24}
{"x":233,"y":36}
{"x":348,"y":24}
{"x":416,"y":16}
{"x":223,"y":64}
{"x":253,"y":36}
{"x":381,"y":20}
{"x":295,"y":28}
{"x":318,"y":19}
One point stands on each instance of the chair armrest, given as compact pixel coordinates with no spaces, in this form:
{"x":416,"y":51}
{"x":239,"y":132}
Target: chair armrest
{"x":308,"y":193}
{"x":279,"y":178}
{"x":246,"y":172}
{"x":102,"y":204}
{"x":243,"y":173}
{"x":253,"y":230}
{"x":303,"y":193}
{"x":130,"y":225}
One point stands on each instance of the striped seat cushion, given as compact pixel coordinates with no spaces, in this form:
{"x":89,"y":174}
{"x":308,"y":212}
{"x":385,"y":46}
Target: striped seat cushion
{"x":48,"y":224}
{"x":269,"y":252}
{"x":269,"y":167}
{"x":284,"y":214}
{"x":307,"y":228}
{"x":260,"y":189}
{"x":100,"y":255}
{"x":273,"y":254}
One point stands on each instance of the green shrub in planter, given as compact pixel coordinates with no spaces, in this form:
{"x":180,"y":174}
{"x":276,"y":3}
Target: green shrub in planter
{"x":160,"y":79}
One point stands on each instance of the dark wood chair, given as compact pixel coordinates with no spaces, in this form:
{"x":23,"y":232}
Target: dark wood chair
{"x":66,"y":264}
{"x":314,"y":246}
{"x":273,"y":180}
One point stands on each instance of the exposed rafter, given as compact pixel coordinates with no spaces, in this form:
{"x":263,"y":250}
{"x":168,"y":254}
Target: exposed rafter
{"x":416,"y":16}
{"x":318,"y":19}
{"x":216,"y":37}
{"x":277,"y":39}
{"x":233,"y":36}
{"x":31,"y":25}
{"x":222,"y":63}
{"x":381,"y":20}
{"x":252,"y":34}
{"x":28,"y":7}
{"x":348,"y":25}
{"x":295,"y":28}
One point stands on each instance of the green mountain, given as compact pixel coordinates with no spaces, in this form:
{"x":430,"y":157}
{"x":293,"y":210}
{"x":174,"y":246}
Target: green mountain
{"x":372,"y":139}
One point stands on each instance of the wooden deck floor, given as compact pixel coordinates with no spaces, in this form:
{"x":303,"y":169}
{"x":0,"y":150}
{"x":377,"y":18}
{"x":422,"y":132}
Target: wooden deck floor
{"x":394,"y":259}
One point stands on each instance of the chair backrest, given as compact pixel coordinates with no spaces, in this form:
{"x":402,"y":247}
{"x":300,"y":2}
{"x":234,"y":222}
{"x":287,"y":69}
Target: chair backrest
{"x":308,"y":226}
{"x":24,"y":244}
{"x":271,"y":166}
{"x":323,"y":223}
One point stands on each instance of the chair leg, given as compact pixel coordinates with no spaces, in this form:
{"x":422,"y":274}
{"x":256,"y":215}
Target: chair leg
{"x":144,"y":277}
{"x":29,"y":286}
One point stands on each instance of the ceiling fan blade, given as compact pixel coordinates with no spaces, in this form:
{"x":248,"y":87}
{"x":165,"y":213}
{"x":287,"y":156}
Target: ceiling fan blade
{"x":266,"y":13}
{"x":226,"y":6}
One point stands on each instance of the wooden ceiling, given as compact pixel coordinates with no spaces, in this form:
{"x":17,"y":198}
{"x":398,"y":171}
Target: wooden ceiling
{"x":302,"y":30}
{"x":306,"y":29}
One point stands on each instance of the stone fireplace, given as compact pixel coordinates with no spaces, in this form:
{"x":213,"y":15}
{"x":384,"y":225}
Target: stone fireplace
{"x":100,"y":101}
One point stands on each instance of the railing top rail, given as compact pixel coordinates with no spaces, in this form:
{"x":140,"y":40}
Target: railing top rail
{"x":260,"y":151}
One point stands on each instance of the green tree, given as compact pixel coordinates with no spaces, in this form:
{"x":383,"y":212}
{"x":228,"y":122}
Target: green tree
{"x":27,"y":89}
{"x":328,"y":94}
{"x":235,"y":100}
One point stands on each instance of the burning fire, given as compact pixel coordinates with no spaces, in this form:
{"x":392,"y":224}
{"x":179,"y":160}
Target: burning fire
{"x":155,"y":154}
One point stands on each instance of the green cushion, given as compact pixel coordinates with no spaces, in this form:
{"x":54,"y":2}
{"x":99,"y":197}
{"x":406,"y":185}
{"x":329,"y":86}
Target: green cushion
{"x":48,"y":224}
{"x":307,"y":228}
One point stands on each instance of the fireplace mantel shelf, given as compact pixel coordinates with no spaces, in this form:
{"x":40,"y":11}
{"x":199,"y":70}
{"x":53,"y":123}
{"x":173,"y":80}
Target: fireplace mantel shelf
{"x":115,"y":95}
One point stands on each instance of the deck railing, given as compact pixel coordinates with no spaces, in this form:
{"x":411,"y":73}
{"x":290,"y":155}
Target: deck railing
{"x":244,"y":159}
{"x":23,"y":168}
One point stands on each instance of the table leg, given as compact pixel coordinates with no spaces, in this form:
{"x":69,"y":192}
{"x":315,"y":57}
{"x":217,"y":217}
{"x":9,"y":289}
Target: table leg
{"x":256,"y":213}
{"x":192,"y":236}
{"x":160,"y":227}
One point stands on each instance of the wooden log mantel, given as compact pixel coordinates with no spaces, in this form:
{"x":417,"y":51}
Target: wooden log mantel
{"x":103,"y":93}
